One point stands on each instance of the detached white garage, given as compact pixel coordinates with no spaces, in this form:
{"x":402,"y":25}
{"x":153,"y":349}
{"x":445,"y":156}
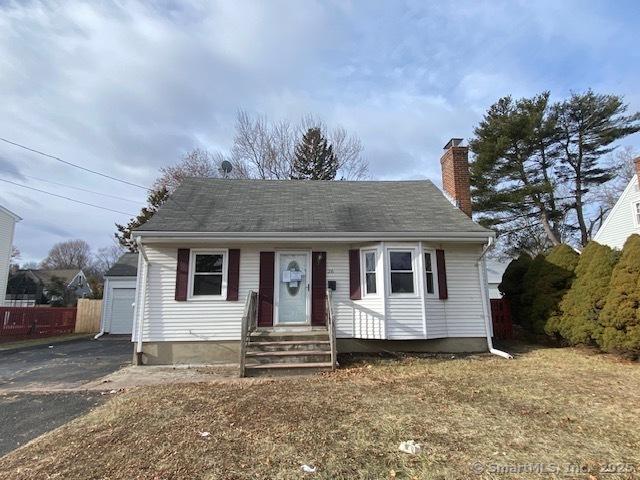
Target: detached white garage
{"x":119,"y":295}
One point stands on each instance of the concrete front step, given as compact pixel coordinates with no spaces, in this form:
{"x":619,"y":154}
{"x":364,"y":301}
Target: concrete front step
{"x":296,"y":357}
{"x":316,"y":345}
{"x":280,"y":369}
{"x":287,"y":337}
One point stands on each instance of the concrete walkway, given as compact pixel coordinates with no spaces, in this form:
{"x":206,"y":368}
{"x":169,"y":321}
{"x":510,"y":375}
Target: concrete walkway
{"x":133,"y":376}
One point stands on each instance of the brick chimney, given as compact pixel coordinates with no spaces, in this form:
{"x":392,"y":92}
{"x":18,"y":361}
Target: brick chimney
{"x":637,"y":162}
{"x":455,"y":174}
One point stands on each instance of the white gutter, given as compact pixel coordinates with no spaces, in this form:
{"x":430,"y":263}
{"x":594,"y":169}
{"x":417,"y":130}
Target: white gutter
{"x":486,"y":302}
{"x":167,"y":237}
{"x":141,"y":299}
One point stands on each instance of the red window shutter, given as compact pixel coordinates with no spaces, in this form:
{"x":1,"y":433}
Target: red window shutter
{"x":265,"y":289}
{"x":318,"y":287}
{"x":442,"y":275}
{"x":182,"y":274}
{"x":233,"y":274}
{"x":354,"y":274}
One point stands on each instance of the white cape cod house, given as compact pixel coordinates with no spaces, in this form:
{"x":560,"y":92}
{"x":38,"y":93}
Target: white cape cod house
{"x":273,"y":268}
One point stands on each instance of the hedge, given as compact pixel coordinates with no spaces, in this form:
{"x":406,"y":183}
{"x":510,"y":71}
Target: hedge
{"x":579,"y":309}
{"x":620,"y":317}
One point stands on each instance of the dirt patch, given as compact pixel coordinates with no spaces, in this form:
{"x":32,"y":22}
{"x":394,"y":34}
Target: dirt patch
{"x":548,"y":408}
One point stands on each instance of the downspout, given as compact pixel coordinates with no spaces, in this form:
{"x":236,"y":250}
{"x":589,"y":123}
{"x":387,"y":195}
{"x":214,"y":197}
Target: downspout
{"x":486,"y":302}
{"x":104,"y":307}
{"x":141,"y":299}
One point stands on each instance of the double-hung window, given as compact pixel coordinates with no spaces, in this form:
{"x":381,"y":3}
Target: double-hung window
{"x":636,"y":213}
{"x":428,"y":269}
{"x":208,"y":274}
{"x":401,"y":271}
{"x":369,"y":262}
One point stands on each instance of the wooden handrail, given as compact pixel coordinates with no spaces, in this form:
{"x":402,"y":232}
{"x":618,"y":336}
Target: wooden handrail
{"x":331,"y":327}
{"x":249,"y":324}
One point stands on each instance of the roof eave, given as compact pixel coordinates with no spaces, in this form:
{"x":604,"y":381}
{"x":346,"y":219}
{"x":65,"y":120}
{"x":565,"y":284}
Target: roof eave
{"x":165,"y":237}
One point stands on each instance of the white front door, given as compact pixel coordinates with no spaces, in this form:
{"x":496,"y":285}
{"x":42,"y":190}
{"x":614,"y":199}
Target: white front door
{"x":292,"y":284}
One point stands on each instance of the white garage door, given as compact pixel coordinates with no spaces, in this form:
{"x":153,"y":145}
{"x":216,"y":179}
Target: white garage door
{"x":122,"y":310}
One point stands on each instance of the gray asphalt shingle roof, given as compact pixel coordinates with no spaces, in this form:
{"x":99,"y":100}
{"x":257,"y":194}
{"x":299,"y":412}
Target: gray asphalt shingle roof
{"x":225,"y":205}
{"x":126,"y":266}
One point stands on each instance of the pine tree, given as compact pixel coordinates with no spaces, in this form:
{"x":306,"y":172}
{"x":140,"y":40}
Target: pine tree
{"x":512,"y":172}
{"x":588,"y":125}
{"x":314,"y":158}
{"x":620,"y":317}
{"x":578,"y":321}
{"x":154,"y":201}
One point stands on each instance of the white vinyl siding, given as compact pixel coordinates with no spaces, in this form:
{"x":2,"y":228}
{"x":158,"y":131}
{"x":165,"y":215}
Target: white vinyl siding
{"x":621,"y":221}
{"x":7,"y":226}
{"x":407,"y":317}
{"x":461,"y":315}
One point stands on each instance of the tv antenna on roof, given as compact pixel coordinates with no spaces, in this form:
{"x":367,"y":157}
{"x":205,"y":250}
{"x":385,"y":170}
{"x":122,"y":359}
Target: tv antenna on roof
{"x":225,"y":168}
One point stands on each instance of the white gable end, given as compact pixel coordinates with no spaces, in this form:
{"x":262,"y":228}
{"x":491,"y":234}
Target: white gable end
{"x":622,"y":221}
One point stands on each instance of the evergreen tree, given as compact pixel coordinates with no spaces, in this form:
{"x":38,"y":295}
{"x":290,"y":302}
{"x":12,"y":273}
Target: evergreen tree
{"x":154,"y":201}
{"x":578,"y":321}
{"x":588,"y":125}
{"x":512,"y":287}
{"x":512,"y":172}
{"x":545,"y":283}
{"x":620,"y":317}
{"x":314,"y":158}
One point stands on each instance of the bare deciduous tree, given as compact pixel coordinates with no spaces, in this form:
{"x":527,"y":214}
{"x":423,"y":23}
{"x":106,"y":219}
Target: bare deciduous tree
{"x":196,"y":163}
{"x":106,"y":258}
{"x":623,"y":166}
{"x":69,"y":254}
{"x":264,"y":149}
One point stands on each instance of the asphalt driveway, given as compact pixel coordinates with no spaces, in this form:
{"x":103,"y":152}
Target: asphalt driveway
{"x":41,"y":387}
{"x":62,"y":366}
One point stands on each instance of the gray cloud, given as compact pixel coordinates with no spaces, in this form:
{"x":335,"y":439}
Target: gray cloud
{"x":127,"y":87}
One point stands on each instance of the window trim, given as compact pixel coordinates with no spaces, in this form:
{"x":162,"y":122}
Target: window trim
{"x":363,"y":272}
{"x":434,"y":272}
{"x":635,"y":209}
{"x":412,"y":251}
{"x":192,"y":271}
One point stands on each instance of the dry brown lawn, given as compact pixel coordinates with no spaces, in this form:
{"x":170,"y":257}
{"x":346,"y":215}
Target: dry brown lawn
{"x":566,"y":410}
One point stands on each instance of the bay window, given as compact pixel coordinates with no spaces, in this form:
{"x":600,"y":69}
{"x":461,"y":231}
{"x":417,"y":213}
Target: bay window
{"x":401,"y":271}
{"x":369,"y":262}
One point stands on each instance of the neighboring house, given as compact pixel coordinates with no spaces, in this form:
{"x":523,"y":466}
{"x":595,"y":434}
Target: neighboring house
{"x":119,"y":295}
{"x":404,"y":264}
{"x":624,"y":218}
{"x":8,"y":222}
{"x":31,"y":287}
{"x":495,"y":270}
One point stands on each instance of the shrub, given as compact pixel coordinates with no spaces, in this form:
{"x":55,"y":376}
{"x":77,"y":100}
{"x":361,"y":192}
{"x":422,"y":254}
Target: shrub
{"x":511,"y":286}
{"x":545,"y":283}
{"x":577,"y":320}
{"x":620,"y":317}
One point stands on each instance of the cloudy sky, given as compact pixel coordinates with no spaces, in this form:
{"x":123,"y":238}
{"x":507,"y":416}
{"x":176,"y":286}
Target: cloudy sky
{"x":126,"y":87}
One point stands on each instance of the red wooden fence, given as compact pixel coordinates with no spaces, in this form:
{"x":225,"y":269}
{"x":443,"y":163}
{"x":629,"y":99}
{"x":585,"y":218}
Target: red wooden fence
{"x":501,"y":315}
{"x":36,"y":321}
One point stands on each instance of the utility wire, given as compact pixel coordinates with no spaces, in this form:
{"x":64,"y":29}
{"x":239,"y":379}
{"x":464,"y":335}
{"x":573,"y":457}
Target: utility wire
{"x":77,"y":188}
{"x":169,"y":198}
{"x":67,"y":198}
{"x":75,"y":165}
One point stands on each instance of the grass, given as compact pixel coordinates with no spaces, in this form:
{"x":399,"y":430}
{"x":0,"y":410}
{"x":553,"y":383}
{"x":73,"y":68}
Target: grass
{"x":548,"y":406}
